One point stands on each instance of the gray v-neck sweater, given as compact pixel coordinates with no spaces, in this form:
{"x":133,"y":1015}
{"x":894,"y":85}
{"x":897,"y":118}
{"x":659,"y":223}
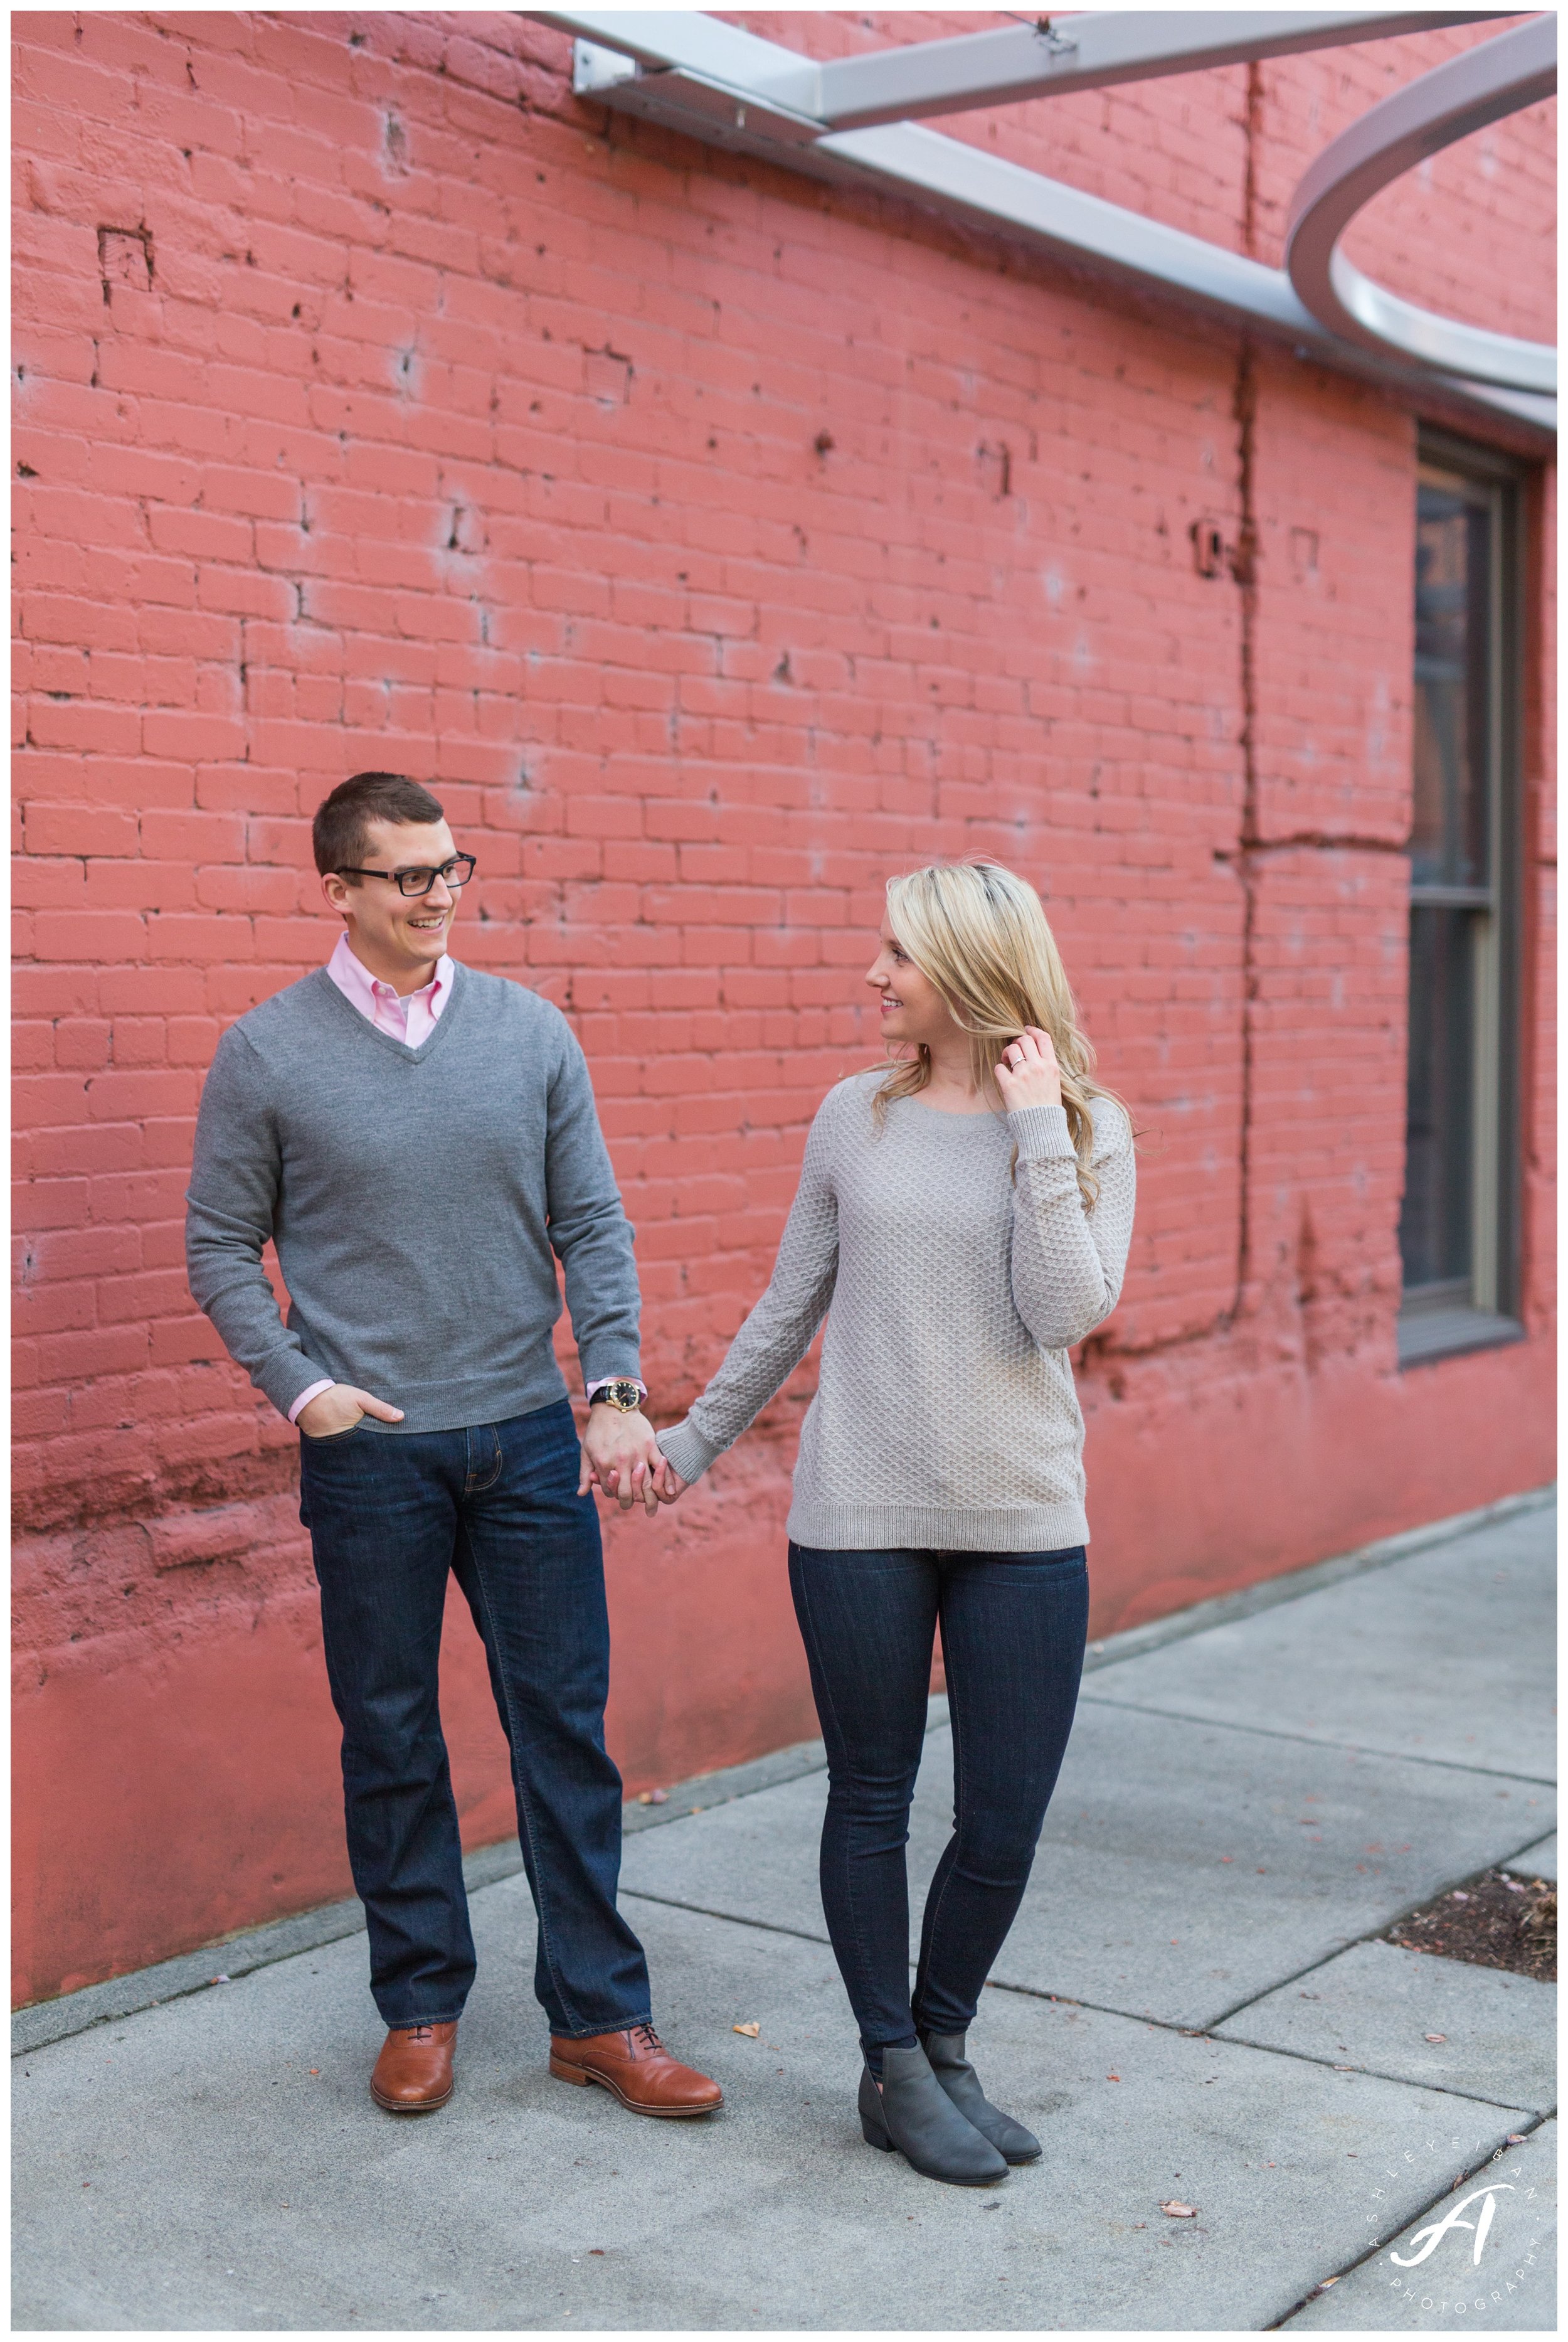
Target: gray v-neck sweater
{"x":419,"y":1198}
{"x":945,"y":1413}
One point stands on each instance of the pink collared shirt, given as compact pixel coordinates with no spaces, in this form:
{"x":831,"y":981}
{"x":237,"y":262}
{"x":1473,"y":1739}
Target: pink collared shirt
{"x":410,"y":1018}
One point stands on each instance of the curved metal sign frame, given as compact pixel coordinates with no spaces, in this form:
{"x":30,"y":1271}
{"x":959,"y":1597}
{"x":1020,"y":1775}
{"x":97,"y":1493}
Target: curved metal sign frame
{"x":1516,"y":69}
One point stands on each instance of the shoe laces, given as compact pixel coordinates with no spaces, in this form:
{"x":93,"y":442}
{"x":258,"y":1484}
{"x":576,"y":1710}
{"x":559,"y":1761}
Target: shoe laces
{"x":644,"y":2038}
{"x":419,"y":2032}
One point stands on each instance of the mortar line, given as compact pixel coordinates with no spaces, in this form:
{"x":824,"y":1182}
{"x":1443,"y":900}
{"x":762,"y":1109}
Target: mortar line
{"x":1244,"y":571}
{"x":1274,"y":2325}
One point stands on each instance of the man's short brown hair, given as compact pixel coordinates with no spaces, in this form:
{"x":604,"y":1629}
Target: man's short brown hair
{"x":339,"y":832}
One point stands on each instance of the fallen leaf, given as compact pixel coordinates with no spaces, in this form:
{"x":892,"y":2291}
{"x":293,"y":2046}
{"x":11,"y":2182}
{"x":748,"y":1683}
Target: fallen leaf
{"x":1112,"y":2077}
{"x":658,"y":1797}
{"x":751,"y":2031}
{"x":1175,"y":2211}
{"x":645,"y":1797}
{"x":1434,"y":2036}
{"x":1327,"y":2282}
{"x":595,"y":2252}
{"x":1517,"y":2138}
{"x":1460,"y":1896}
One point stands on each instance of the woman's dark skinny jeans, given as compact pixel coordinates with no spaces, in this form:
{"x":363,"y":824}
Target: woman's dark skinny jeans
{"x":1012,"y":1634}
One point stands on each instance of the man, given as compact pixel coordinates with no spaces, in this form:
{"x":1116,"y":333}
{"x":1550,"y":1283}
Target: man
{"x":421,"y":1141}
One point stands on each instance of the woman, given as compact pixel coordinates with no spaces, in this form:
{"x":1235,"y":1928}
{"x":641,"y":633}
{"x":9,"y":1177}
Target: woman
{"x":962,"y":1220}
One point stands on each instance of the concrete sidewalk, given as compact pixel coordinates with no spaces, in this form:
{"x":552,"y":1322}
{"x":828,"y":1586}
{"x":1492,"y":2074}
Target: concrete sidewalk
{"x":1193,"y":2006}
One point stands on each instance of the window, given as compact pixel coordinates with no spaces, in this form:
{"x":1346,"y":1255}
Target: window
{"x":1457,"y":1224}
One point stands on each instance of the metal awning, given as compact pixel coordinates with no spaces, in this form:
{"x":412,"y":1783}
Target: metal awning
{"x":860,"y":119}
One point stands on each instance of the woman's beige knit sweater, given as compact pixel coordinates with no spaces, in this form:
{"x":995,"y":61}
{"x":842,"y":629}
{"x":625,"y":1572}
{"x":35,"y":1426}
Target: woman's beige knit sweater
{"x":945,"y":1413}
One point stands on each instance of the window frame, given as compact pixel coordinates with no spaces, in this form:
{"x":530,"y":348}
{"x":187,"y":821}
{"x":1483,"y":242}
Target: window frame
{"x":1435,"y":1321}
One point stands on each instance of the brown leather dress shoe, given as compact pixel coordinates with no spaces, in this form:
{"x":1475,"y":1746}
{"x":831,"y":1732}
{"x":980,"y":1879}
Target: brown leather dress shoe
{"x":414,"y":2072}
{"x":635,"y":2068}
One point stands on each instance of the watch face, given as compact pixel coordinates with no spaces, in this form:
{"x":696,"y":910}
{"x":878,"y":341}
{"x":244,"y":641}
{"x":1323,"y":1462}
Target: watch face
{"x":625,"y":1396}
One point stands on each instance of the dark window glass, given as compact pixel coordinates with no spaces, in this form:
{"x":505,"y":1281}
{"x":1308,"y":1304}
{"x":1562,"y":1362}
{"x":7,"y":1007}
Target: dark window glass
{"x":1457,"y":1222}
{"x":1437,"y":1216}
{"x":1454,"y":599}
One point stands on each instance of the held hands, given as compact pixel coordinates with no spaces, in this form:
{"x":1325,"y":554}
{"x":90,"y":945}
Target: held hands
{"x":622,"y":1458}
{"x":1026,"y":1074}
{"x":339,"y":1410}
{"x":620,"y":1454}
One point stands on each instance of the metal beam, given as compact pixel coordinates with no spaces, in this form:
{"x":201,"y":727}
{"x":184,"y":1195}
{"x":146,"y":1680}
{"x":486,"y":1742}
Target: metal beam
{"x":1463,"y":94}
{"x":680,"y":78}
{"x":1093,"y":51}
{"x":686,"y":40}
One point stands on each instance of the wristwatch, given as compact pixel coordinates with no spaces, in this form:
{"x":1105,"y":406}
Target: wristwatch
{"x":624,"y":1395}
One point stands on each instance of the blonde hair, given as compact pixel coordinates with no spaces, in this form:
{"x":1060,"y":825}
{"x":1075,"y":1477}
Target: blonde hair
{"x":979,"y":933}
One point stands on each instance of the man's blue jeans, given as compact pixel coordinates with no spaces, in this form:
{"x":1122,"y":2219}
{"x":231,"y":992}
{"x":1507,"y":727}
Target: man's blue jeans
{"x":389,"y":1515}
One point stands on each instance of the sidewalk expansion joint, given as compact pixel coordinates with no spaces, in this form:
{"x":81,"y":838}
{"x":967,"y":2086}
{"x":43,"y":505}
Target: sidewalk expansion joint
{"x":1314,"y":1740}
{"x":1372,"y":1935}
{"x":731,"y":1918}
{"x":1291,"y":1585}
{"x":1369,"y":2073}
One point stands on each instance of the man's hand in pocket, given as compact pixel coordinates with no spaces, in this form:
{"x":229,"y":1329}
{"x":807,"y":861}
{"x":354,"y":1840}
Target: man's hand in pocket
{"x":339,"y":1410}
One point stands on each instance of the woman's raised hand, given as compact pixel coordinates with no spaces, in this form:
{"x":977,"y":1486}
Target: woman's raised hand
{"x":1027,"y":1073}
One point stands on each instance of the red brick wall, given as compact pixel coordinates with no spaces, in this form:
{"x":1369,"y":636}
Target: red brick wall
{"x":716,"y":545}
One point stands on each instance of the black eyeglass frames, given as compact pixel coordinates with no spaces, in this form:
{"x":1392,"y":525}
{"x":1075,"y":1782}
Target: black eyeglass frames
{"x":457,"y":873}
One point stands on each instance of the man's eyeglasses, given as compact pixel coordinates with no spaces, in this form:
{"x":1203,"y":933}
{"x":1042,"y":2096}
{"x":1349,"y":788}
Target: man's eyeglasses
{"x":457,"y":873}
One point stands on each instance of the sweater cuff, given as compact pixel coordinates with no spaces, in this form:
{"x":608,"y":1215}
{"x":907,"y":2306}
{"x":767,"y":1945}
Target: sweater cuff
{"x":310,"y":1390}
{"x":610,"y":1358}
{"x":687,"y":1450}
{"x":1040,"y":1131}
{"x":290,"y":1380}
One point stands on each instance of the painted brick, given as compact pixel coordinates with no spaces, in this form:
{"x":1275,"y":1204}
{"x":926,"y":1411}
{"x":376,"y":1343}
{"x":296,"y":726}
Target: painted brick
{"x":528,"y":498}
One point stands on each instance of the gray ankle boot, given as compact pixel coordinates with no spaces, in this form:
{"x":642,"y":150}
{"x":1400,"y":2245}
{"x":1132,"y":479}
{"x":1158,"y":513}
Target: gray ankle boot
{"x":912,"y":2112}
{"x":958,"y":2077}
